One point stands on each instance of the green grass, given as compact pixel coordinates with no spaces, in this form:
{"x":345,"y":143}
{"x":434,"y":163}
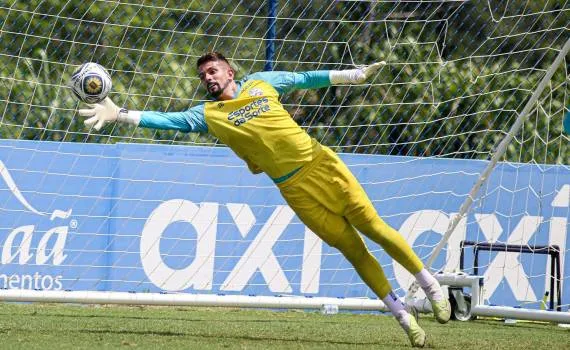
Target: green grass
{"x":35,"y":326}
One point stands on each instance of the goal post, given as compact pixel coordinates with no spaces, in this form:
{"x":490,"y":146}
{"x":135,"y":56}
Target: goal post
{"x":459,"y":138}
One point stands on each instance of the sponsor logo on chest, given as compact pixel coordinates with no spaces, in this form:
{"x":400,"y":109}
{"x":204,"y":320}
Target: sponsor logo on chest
{"x":249,"y":111}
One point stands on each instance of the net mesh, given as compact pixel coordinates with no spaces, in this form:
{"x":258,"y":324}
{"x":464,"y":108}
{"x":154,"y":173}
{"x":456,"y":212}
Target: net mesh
{"x":458,"y":75}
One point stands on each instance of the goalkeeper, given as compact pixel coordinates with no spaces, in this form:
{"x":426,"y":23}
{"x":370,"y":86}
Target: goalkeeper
{"x":247,"y":116}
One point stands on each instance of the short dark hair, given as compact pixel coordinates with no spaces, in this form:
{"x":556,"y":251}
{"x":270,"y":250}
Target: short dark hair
{"x":211,"y":56}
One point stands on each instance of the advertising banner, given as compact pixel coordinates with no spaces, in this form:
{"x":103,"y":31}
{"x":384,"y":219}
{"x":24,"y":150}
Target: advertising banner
{"x":159,"y":218}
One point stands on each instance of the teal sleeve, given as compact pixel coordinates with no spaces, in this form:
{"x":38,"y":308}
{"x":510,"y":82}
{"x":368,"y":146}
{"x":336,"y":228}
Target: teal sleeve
{"x":191,"y":120}
{"x":285,"y":82}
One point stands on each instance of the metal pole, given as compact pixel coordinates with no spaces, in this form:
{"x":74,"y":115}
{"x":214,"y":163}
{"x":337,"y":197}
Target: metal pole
{"x":270,"y":37}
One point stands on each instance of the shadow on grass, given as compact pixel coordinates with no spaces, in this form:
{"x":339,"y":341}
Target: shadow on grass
{"x":225,"y":337}
{"x":322,"y":320}
{"x":216,"y":337}
{"x":130,"y":332}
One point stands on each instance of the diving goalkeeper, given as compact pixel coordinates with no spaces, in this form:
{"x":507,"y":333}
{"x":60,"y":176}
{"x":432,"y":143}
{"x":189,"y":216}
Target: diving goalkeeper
{"x":247,"y":116}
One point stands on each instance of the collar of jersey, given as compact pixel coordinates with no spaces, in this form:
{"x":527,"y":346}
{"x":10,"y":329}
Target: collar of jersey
{"x":239,"y":84}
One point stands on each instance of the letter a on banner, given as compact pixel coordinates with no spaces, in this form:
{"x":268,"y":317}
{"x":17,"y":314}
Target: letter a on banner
{"x":199,"y":273}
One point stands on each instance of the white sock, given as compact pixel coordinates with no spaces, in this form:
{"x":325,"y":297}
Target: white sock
{"x":398,"y":309}
{"x":429,"y":284}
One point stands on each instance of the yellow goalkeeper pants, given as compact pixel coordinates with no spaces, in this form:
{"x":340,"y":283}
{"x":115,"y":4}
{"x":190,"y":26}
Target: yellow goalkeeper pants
{"x":331,"y":202}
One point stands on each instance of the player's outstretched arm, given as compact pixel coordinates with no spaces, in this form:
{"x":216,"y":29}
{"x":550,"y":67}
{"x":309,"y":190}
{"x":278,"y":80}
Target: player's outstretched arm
{"x":285,"y":82}
{"x":355,"y":76}
{"x":106,"y":111}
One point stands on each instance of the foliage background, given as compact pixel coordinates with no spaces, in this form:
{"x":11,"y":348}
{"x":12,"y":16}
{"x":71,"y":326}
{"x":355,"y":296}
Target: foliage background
{"x":458,"y":71}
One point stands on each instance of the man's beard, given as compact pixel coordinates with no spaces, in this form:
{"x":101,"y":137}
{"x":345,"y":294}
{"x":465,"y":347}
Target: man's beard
{"x":217,"y":93}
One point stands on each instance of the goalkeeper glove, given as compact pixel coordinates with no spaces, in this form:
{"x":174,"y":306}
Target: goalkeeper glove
{"x":107,"y":111}
{"x":354,"y":76}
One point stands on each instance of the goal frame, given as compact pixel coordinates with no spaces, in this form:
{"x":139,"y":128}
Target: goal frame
{"x":453,"y":280}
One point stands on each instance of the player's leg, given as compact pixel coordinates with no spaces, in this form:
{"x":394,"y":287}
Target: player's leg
{"x":354,"y":249}
{"x":397,"y":247}
{"x":360,"y":213}
{"x":337,"y":232}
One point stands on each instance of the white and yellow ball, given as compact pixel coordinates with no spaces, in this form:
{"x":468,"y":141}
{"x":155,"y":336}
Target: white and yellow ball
{"x":91,"y":83}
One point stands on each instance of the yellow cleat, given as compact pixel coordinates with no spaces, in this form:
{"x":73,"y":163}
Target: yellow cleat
{"x":441,"y":310}
{"x":416,"y":334}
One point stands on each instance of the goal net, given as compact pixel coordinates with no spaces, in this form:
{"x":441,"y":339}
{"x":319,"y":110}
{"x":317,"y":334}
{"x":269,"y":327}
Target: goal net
{"x":171,"y":215}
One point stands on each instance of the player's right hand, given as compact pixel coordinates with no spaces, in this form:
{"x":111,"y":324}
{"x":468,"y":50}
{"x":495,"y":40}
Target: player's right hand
{"x":100,"y":113}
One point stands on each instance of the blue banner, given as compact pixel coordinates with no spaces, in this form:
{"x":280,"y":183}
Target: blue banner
{"x":154,"y":218}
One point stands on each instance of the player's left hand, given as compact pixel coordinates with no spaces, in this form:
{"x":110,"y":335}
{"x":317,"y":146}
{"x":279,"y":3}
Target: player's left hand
{"x":369,"y":71}
{"x":355,"y":76}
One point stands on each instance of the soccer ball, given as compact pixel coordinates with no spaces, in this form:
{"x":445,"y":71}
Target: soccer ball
{"x":91,"y":83}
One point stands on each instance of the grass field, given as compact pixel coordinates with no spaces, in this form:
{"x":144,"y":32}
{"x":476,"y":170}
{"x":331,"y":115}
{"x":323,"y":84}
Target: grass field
{"x":41,"y":326}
